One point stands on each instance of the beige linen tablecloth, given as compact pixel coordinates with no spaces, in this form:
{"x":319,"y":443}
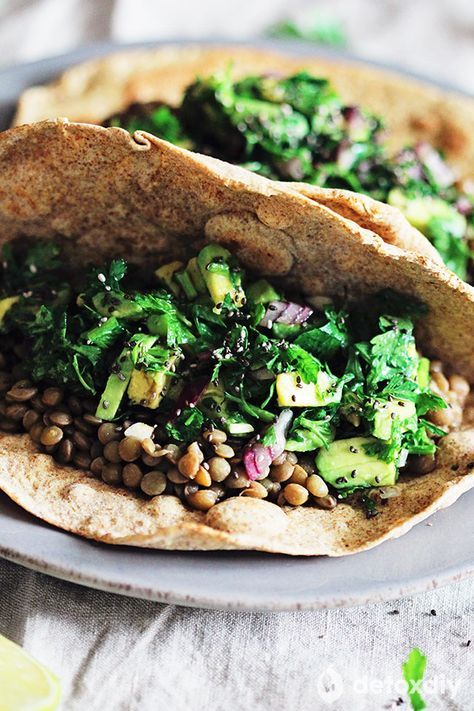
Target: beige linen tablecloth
{"x":114,"y":653}
{"x":119,"y":654}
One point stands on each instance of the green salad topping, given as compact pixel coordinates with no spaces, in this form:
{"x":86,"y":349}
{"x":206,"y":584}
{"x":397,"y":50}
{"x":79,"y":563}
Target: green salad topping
{"x":299,"y":128}
{"x":202,"y":345}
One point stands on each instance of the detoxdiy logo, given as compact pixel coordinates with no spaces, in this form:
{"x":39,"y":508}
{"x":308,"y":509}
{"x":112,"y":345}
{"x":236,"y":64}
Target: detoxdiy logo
{"x":331,"y":686}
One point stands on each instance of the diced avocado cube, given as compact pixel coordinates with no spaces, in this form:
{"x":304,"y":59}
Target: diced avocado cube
{"x":401,"y":411}
{"x":293,"y":392}
{"x":116,"y":386}
{"x":186,"y":284}
{"x":166,"y":275}
{"x":421,"y":209}
{"x":262,"y":292}
{"x":194,"y":272}
{"x":6,"y":304}
{"x":212,"y":400}
{"x":112,"y":304}
{"x":220,"y":282}
{"x":423,"y":373}
{"x":148,"y":387}
{"x":345,"y":464}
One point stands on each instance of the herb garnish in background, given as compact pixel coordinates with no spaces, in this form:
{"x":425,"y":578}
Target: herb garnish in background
{"x":322,"y":29}
{"x":299,"y":128}
{"x":413,"y":673}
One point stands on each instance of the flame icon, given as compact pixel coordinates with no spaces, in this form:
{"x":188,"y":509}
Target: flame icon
{"x":329,"y":685}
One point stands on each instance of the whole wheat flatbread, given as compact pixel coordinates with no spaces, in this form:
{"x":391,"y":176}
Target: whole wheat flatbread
{"x":102,"y":193}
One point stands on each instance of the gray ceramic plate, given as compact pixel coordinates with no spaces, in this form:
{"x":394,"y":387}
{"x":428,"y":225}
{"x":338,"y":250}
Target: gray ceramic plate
{"x":430,"y":555}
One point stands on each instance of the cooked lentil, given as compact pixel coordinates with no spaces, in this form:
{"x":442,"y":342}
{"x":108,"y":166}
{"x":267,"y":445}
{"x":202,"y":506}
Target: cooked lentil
{"x":298,"y":476}
{"x":219,"y":468}
{"x":111,"y":473}
{"x":129,"y":449}
{"x":202,"y":500}
{"x":51,"y":436}
{"x":281,"y":472}
{"x":153,"y":483}
{"x":111,"y":452}
{"x":317,"y":486}
{"x":52,"y":397}
{"x":189,"y":464}
{"x":295,"y":494}
{"x":132,"y":475}
{"x":328,"y":502}
{"x":224,"y":450}
{"x":256,"y":490}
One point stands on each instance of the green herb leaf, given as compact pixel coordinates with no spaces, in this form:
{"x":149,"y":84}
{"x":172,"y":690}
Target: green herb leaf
{"x":187,"y":427}
{"x":325,"y":341}
{"x":413,"y":673}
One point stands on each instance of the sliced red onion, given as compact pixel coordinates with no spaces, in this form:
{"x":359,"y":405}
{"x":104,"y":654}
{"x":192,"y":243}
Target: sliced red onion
{"x":355,"y":120}
{"x":250,"y":465}
{"x":351,"y":114}
{"x":274,"y":310}
{"x":431,"y":158}
{"x":464,"y":206}
{"x":285,"y":312}
{"x":345,"y":155}
{"x":258,"y":457}
{"x":190,"y":395}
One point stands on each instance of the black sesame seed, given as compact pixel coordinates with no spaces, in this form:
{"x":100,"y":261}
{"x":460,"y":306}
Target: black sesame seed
{"x":354,"y":473}
{"x":354,"y":450}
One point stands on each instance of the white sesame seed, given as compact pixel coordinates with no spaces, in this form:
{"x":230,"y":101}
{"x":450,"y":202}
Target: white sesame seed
{"x":101,"y":277}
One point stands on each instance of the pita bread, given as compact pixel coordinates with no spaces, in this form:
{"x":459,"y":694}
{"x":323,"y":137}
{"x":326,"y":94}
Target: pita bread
{"x":100,"y":192}
{"x":387,"y":221}
{"x":412,"y":110}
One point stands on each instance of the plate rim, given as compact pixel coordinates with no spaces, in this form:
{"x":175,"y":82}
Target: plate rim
{"x":385,"y":594}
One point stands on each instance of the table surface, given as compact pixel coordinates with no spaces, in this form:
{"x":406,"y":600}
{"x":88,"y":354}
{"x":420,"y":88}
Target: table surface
{"x":119,"y":653}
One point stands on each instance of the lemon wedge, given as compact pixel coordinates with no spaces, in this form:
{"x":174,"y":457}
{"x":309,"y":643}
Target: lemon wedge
{"x":25,"y":685}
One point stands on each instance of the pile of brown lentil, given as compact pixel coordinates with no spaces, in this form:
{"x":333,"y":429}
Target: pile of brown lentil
{"x":201,"y":474}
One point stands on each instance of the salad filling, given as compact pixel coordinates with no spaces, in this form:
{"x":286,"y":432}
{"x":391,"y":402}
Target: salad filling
{"x":299,"y":128}
{"x":204,"y":382}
